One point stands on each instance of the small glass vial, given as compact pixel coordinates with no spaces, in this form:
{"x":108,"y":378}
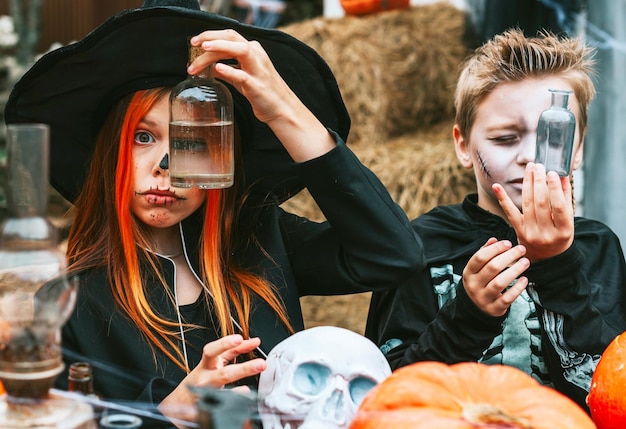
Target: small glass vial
{"x":80,"y":378}
{"x":555,"y":135}
{"x":201,"y":132}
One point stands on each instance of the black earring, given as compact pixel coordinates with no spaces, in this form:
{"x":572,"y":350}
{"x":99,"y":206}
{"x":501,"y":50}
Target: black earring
{"x":165,"y":162}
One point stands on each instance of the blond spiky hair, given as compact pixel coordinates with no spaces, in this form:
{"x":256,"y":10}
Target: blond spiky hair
{"x":512,"y":57}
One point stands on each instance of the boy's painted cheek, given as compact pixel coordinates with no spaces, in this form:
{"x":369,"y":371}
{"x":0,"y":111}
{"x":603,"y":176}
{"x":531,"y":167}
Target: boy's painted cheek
{"x":483,"y":165}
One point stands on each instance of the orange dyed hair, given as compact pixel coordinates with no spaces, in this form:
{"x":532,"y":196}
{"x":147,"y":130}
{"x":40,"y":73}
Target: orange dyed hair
{"x":106,"y":234}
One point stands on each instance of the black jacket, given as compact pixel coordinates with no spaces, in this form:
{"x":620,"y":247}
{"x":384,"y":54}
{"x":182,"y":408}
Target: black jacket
{"x":366,"y":244}
{"x":574,"y":307}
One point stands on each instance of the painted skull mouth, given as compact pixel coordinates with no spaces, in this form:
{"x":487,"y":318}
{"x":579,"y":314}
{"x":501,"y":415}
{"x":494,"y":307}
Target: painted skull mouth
{"x":291,"y":423}
{"x":284,"y":420}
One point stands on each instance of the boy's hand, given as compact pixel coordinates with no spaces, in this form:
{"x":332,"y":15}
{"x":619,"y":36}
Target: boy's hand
{"x":490,"y":271}
{"x":545,"y":224}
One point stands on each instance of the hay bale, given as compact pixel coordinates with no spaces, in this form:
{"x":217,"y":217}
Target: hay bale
{"x":396,"y":69}
{"x":420,"y":170}
{"x":345,"y":311}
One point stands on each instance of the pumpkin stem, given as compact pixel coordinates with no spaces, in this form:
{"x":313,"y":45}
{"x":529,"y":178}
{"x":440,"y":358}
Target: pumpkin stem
{"x":492,"y":417}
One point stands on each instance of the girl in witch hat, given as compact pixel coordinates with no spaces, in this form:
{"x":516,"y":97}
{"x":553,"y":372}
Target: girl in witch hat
{"x":177,"y":283}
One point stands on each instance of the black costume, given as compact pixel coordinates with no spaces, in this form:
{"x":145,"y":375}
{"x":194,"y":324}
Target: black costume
{"x":556,"y":330}
{"x":367,"y":244}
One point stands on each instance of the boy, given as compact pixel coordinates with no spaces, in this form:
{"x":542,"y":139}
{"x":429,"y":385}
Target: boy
{"x":512,"y":276}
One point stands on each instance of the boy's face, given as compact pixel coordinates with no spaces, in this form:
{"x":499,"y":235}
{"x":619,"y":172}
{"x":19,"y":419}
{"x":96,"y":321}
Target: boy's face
{"x":502,"y":139}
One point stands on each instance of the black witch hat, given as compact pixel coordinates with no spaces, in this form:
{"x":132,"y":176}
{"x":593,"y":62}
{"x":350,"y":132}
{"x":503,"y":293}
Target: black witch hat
{"x":72,"y":88}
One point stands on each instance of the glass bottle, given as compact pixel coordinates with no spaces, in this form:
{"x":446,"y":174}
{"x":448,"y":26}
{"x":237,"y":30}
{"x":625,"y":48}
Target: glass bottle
{"x":36,"y":296}
{"x":201,"y":131}
{"x":80,"y":378}
{"x":555,"y":134}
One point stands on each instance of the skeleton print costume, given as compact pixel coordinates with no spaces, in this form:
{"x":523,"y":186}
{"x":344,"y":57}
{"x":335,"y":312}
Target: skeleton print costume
{"x":555,"y":331}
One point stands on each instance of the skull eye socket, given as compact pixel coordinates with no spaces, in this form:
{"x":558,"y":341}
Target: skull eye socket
{"x":311,"y":378}
{"x":359,"y":387}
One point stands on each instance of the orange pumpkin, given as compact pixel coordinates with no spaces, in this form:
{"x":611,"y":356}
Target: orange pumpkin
{"x":607,"y":398}
{"x":470,"y":395}
{"x":363,"y":7}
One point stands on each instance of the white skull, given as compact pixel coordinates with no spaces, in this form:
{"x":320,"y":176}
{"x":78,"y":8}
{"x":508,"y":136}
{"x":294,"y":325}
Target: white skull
{"x":317,"y":378}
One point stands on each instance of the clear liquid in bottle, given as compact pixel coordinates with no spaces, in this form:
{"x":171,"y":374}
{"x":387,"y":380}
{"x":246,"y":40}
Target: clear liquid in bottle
{"x":201,"y":132}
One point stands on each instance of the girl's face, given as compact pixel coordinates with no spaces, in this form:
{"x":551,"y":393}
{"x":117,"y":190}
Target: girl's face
{"x":502,"y":139}
{"x":155,"y":202}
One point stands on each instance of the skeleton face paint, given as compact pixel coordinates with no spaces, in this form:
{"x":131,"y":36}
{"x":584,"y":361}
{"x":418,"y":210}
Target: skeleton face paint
{"x":317,"y":378}
{"x":483,"y":165}
{"x":503,"y":136}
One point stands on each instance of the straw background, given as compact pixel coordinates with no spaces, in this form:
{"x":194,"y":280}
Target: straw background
{"x":396,"y":71}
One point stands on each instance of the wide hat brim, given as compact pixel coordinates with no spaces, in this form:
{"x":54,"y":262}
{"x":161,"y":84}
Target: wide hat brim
{"x":73,"y":87}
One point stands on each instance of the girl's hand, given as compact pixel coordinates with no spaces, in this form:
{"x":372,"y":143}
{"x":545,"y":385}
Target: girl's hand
{"x":272,"y":101}
{"x":253,"y":74}
{"x":214,"y":370}
{"x":545,"y":225}
{"x":490,"y":271}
